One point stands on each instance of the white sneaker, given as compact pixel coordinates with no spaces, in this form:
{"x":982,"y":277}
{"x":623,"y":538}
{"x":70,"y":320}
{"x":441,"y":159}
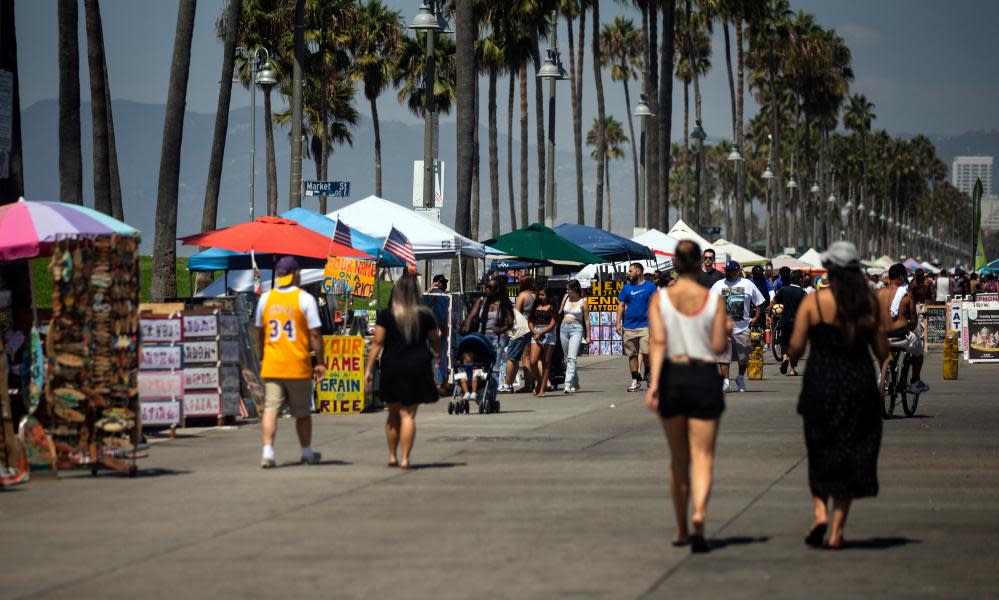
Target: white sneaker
{"x":725,"y":386}
{"x":467,"y":396}
{"x":636,"y":386}
{"x":518,"y":381}
{"x":740,"y":382}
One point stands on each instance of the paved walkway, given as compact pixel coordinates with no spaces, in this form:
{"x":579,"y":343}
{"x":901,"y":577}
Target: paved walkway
{"x":559,"y":497}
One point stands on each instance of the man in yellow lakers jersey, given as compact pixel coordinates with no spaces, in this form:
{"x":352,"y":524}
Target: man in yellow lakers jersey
{"x":289,"y":325}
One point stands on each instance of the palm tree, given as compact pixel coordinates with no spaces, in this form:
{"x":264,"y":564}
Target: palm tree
{"x":601,"y":115}
{"x":465,"y":34}
{"x":164,"y":283}
{"x":613,"y":139}
{"x":624,"y":48}
{"x":98,"y":107}
{"x":493,"y":58}
{"x":577,"y":8}
{"x":230,"y":25}
{"x":664,"y":106}
{"x":693,"y":47}
{"x":377,"y":40}
{"x":70,"y":155}
{"x":857,"y":118}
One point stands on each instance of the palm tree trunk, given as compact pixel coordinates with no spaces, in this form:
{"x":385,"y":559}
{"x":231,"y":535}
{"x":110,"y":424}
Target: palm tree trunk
{"x":509,"y":151}
{"x":475,"y":209}
{"x":70,"y":154}
{"x":298,"y":60}
{"x":743,"y":205}
{"x":665,"y":107}
{"x":525,"y":192}
{"x":117,"y":210}
{"x":466,"y":117}
{"x":493,"y":155}
{"x":272,"y":193}
{"x":634,"y":148}
{"x":653,"y":151}
{"x":577,"y":115}
{"x":164,"y":283}
{"x":738,"y":227}
{"x":376,"y":125}
{"x":324,"y":157}
{"x":601,"y":125}
{"x":209,"y":214}
{"x":610,"y":222}
{"x":685,"y":156}
{"x":98,"y":106}
{"x":539,"y":131}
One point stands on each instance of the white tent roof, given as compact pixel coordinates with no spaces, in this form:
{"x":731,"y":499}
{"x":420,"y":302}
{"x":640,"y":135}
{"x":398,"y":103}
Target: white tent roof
{"x":589,"y":272}
{"x":792,"y":263}
{"x":657,"y":240}
{"x":930,"y":268}
{"x":812,"y":257}
{"x":737,"y":252}
{"x":682,"y":231}
{"x":376,"y":216}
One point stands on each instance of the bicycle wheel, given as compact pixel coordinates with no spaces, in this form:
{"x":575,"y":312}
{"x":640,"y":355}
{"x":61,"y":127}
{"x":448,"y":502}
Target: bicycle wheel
{"x":776,"y":345}
{"x":909,"y":400}
{"x":886,"y":385}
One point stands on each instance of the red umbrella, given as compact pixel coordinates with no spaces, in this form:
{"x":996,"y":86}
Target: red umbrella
{"x":273,"y":235}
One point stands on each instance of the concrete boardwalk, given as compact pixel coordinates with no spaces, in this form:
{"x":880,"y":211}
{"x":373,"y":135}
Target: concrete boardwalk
{"x":557,"y":497}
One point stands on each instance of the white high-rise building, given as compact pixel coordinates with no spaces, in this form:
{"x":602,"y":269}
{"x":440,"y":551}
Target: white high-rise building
{"x":967,"y":169}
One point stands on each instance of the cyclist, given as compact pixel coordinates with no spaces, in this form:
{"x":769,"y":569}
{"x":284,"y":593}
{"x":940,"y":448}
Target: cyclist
{"x":789,"y":299}
{"x":904,"y":330}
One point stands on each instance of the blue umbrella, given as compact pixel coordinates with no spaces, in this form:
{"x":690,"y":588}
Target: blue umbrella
{"x":606,"y":245}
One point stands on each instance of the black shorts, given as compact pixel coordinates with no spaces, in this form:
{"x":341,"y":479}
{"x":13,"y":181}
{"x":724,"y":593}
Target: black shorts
{"x":690,"y":390}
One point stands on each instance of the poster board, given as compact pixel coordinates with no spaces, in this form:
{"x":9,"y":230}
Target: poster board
{"x":982,"y":327}
{"x":201,"y":351}
{"x":161,"y":412}
{"x":954,"y":321}
{"x":202,"y":404}
{"x":449,"y":313}
{"x":604,"y":340}
{"x":160,"y":385}
{"x":342,"y":390}
{"x":349,"y":276}
{"x":157,"y":357}
{"x":200,"y":325}
{"x":935,"y":326}
{"x":161,"y":330}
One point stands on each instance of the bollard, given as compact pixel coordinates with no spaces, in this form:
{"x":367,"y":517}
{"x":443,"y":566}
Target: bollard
{"x":755,"y":369}
{"x":950,"y":361}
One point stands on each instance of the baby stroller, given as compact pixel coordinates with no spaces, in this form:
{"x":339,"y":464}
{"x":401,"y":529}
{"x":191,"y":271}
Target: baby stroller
{"x":484,"y":364}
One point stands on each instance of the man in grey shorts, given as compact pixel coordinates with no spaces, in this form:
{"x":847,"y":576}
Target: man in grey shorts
{"x":743,"y":302}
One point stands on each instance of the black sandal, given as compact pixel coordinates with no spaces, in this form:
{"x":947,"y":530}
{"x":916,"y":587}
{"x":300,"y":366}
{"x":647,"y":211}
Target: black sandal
{"x":816,"y":536}
{"x":698,"y":545}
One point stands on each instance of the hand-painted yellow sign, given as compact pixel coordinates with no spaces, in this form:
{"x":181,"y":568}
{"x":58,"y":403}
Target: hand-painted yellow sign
{"x":342,"y":390}
{"x":349,"y":276}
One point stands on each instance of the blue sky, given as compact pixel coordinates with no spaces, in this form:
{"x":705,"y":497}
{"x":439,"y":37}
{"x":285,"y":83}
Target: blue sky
{"x":928,"y":65}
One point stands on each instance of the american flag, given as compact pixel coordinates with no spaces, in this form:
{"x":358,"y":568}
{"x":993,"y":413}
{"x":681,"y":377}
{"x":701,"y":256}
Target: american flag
{"x":341,"y":234}
{"x":399,"y":246}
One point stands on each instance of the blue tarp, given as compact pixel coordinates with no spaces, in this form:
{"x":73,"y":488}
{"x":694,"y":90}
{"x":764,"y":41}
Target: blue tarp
{"x":215,"y":259}
{"x":604,"y":244}
{"x":992,"y":267}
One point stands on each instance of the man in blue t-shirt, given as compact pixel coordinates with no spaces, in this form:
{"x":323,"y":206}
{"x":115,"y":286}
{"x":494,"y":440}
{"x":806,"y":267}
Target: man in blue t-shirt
{"x":633,"y":321}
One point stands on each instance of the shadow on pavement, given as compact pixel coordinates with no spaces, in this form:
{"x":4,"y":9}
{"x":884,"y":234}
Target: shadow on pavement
{"x":737,"y":540}
{"x":878,"y":543}
{"x":510,"y":412}
{"x":436,"y":465}
{"x":322,"y":463}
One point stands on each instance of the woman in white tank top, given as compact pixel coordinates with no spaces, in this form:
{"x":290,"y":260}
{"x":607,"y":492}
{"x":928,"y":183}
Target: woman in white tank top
{"x":688,"y":328}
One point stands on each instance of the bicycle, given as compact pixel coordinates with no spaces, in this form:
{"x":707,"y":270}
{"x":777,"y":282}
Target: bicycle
{"x":777,"y":333}
{"x":892,"y":384}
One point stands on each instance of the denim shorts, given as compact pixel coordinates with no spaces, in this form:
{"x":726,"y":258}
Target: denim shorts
{"x":547,"y":339}
{"x":515,"y":348}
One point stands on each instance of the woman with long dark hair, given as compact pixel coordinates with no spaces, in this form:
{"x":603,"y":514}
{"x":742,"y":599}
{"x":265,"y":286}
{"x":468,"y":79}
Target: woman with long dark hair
{"x":575,"y":316}
{"x":542,"y":322}
{"x":839,"y":401}
{"x":688,"y":328}
{"x":402,"y":334}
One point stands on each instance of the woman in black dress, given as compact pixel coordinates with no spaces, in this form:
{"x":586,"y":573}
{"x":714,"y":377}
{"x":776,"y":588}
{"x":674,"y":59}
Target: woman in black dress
{"x":839,"y":399}
{"x":404,"y":335}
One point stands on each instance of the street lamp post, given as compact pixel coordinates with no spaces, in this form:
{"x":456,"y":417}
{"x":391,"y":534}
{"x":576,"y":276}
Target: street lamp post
{"x":265,"y":76}
{"x":735,"y":157}
{"x":426,"y":21}
{"x":816,"y":207}
{"x":831,"y":202}
{"x":552,"y":71}
{"x":642,"y":214}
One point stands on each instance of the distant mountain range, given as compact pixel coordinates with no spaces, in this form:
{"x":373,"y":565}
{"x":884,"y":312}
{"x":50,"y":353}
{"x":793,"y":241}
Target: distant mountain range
{"x":139,"y":131}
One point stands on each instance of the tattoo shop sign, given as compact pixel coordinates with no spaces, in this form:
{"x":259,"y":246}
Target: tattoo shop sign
{"x":603,"y":295}
{"x":349,"y":276}
{"x":342,"y":390}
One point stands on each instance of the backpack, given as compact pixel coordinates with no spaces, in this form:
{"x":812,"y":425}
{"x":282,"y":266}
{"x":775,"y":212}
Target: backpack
{"x":520,"y":326}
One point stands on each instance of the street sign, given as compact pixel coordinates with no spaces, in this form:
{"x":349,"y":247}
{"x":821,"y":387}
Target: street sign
{"x":438,"y":183}
{"x":333,"y":189}
{"x":712,"y":230}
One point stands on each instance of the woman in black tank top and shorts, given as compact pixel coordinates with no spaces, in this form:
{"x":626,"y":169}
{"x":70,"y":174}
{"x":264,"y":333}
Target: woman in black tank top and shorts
{"x":688,"y":328}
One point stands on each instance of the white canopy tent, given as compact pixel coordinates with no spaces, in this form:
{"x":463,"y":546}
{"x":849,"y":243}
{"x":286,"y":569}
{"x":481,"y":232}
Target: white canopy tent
{"x":682,"y":231}
{"x":376,"y":217}
{"x":793,"y":263}
{"x":590,"y":272}
{"x":812,"y":257}
{"x":657,"y":240}
{"x":737,"y":252}
{"x":930,"y":268}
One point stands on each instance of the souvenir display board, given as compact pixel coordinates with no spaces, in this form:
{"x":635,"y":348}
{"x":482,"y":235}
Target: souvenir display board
{"x":602,"y":303}
{"x":161,"y":369}
{"x":981,"y":331}
{"x":92,"y":393}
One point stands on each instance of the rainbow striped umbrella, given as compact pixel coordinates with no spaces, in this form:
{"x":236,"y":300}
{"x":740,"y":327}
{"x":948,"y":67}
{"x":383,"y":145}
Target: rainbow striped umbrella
{"x":28,"y":228}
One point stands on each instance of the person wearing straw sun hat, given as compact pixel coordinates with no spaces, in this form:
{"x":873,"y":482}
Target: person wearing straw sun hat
{"x":289,"y":325}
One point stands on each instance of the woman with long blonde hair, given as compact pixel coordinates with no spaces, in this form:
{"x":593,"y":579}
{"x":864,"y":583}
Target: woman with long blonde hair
{"x":404,"y":335}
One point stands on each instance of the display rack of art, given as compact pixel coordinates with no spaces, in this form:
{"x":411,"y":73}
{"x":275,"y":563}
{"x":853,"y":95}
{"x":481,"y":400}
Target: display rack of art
{"x":602,"y":303}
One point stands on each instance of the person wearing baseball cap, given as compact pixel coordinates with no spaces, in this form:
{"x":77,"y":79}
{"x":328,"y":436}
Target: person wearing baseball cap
{"x":439,"y":285}
{"x":288,"y":321}
{"x":744,"y":303}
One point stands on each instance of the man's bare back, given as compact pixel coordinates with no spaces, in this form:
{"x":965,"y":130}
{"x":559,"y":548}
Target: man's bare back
{"x":905,"y":312}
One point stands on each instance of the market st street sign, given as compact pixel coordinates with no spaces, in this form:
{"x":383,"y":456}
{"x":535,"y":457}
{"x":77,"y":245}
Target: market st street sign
{"x":332,"y":189}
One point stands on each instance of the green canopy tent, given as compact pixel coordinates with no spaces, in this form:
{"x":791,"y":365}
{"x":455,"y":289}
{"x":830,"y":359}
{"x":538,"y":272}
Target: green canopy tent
{"x":539,"y":243}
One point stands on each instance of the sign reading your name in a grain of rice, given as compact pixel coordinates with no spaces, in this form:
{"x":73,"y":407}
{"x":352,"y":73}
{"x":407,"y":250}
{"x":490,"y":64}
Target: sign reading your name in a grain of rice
{"x":342,"y":390}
